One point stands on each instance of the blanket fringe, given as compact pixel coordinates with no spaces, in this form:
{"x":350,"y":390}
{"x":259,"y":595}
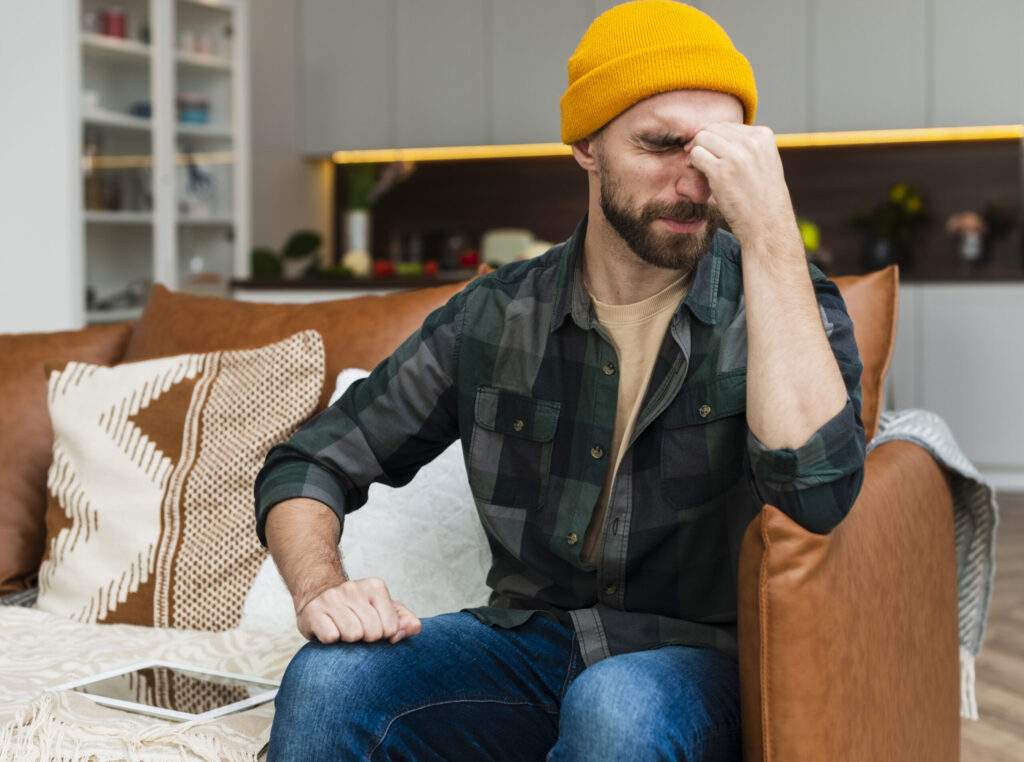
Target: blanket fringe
{"x":37,"y":733}
{"x":968,"y":699}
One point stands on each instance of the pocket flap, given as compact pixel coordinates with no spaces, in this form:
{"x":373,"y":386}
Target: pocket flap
{"x":708,"y":401}
{"x":515,"y":414}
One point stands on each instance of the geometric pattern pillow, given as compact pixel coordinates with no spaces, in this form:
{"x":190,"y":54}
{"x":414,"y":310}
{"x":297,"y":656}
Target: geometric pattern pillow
{"x":150,"y":515}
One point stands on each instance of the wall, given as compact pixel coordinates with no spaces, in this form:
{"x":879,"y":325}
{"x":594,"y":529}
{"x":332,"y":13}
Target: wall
{"x":40,"y":279}
{"x":288,"y":192}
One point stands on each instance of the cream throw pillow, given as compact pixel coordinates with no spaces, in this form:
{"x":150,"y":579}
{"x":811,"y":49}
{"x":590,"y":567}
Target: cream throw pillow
{"x":425,"y":540}
{"x":150,"y":515}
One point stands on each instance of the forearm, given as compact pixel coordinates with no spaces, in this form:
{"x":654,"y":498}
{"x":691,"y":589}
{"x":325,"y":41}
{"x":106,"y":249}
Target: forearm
{"x":303,"y":536}
{"x":794,"y":384}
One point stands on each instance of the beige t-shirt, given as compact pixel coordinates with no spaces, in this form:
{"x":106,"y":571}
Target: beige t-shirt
{"x":637,"y":331}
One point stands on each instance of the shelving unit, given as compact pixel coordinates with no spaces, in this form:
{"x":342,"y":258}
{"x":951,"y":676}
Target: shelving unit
{"x":164,"y":146}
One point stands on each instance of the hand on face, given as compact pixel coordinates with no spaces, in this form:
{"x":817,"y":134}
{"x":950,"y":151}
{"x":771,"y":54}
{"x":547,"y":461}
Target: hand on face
{"x":745,"y":174}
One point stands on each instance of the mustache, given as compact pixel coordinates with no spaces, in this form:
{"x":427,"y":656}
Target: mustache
{"x":686,"y":211}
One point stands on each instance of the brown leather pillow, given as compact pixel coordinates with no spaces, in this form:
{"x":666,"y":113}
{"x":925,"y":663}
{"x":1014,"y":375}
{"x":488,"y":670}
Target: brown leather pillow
{"x":872,"y":301}
{"x":26,"y":437}
{"x":358,"y":332}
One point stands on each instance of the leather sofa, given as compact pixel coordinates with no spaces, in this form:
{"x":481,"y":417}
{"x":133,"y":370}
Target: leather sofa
{"x":848,"y":641}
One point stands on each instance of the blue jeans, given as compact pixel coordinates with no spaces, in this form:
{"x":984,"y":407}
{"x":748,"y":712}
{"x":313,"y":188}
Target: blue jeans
{"x":464,"y":690}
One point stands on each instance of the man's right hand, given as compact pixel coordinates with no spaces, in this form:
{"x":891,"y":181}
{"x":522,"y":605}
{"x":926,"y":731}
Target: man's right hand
{"x":360,"y":609}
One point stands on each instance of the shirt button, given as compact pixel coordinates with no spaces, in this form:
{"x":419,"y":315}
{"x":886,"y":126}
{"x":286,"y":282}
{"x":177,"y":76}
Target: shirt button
{"x":596,"y":451}
{"x":571,"y":539}
{"x":704,"y":411}
{"x":610,"y":589}
{"x":518,"y":424}
{"x":608,"y":368}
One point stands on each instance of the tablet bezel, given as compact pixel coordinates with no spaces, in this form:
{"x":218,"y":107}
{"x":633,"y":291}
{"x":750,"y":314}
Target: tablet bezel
{"x":171,"y":714}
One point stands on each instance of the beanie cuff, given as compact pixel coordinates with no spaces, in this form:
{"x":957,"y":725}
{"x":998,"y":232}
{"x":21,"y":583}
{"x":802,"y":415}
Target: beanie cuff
{"x":606,"y":91}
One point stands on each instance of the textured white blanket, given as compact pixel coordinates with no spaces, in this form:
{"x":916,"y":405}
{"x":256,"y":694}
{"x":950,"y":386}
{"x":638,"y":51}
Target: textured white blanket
{"x":975,"y":518}
{"x":41,"y":649}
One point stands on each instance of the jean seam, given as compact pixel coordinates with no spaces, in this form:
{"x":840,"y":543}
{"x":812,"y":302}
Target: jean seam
{"x":572,"y":663}
{"x":452,"y":701}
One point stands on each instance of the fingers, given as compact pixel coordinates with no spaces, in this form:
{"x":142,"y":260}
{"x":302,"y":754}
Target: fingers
{"x":323,"y":628}
{"x":354,"y":611}
{"x":407,"y":621}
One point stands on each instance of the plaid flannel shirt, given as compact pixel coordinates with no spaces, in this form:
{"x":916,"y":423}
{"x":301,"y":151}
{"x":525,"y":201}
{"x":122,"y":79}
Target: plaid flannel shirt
{"x":517,"y":367}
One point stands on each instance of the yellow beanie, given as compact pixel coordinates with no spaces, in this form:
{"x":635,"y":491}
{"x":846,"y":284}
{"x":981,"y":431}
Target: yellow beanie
{"x":640,"y":48}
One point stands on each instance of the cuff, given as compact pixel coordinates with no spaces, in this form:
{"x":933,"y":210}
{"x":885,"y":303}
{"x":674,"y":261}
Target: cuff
{"x":822,"y":458}
{"x":296,"y":479}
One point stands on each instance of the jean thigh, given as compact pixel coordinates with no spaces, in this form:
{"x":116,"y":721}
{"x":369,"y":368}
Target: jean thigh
{"x":460,"y":687}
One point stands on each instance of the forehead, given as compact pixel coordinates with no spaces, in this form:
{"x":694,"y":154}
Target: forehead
{"x":682,"y":111}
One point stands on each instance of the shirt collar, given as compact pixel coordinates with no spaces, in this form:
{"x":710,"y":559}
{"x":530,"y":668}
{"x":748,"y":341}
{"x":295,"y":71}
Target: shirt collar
{"x":573,"y":299}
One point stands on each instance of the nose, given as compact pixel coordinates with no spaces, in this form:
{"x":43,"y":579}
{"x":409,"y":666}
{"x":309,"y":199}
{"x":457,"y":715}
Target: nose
{"x":692,"y":183}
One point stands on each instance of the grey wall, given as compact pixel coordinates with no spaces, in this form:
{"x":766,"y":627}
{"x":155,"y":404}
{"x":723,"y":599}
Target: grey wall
{"x":288,"y":192}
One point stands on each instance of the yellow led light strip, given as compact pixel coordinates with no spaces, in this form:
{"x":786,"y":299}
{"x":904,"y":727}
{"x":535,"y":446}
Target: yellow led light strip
{"x":785,"y":140}
{"x":128,"y":161}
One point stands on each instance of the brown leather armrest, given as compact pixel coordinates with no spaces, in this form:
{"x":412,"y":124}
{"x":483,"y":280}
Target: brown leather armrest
{"x":848,"y":641}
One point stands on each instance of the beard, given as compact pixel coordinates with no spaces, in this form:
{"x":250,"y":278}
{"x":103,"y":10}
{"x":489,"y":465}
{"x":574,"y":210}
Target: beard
{"x":660,"y":246}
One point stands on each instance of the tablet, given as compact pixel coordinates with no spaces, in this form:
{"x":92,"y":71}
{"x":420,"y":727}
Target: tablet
{"x":174,"y":691}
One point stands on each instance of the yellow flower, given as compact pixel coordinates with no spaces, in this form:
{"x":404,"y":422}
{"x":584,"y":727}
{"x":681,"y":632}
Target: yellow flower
{"x":898,"y":191}
{"x":810,"y":234}
{"x":913,"y":204}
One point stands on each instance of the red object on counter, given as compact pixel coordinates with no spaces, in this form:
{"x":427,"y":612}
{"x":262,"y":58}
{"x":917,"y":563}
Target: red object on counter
{"x":470,"y":259}
{"x":113,"y":23}
{"x":430,"y":266}
{"x":383,"y":268}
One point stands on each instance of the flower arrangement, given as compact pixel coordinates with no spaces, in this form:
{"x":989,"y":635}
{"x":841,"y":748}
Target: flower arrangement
{"x":974,"y":233}
{"x":897,"y":218}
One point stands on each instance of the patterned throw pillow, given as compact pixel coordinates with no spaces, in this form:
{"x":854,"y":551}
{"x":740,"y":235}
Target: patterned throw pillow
{"x":150,"y":514}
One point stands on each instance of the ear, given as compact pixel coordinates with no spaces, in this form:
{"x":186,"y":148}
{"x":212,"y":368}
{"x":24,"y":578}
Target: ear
{"x":584,"y":151}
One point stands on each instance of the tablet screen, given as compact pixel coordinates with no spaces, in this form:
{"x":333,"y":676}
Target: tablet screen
{"x":177,"y":689}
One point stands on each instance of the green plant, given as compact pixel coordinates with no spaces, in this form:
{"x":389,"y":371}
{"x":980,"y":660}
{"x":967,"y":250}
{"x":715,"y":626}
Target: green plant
{"x":265,"y":264}
{"x":897,"y":218}
{"x":301,"y":244}
{"x":359,"y":181}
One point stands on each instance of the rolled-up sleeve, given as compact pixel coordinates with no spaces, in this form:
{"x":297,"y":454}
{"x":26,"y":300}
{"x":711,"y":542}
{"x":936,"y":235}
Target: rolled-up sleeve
{"x":383,"y":428}
{"x":817,"y":483}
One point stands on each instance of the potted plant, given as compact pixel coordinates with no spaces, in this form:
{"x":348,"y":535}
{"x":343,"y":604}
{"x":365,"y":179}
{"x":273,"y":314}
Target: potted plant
{"x":890,"y":228}
{"x":299,"y":254}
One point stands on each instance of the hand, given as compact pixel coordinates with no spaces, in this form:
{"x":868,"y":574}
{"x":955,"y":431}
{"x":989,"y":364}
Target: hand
{"x":356,"y":610}
{"x":744,"y":170}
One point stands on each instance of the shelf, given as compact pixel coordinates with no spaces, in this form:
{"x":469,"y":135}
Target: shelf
{"x":204,"y":130}
{"x":784,"y":141}
{"x":203,"y":61}
{"x":106,"y":118}
{"x":223,"y":5}
{"x":114,"y":48}
{"x":215,"y":221}
{"x":118,"y":217}
{"x":113,"y":316}
{"x":342,"y":283}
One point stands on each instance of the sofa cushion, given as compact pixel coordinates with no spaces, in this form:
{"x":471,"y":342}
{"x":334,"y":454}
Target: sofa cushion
{"x":358,"y":332}
{"x":872,"y":301}
{"x":26,"y":438}
{"x":424,"y":539}
{"x":150,"y":517}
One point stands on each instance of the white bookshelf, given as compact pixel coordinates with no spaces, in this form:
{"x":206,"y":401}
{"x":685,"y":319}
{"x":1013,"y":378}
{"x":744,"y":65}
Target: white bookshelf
{"x":163,"y":139}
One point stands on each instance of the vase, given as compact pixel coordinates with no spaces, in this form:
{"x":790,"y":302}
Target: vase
{"x":879,"y":252}
{"x":357,"y":230}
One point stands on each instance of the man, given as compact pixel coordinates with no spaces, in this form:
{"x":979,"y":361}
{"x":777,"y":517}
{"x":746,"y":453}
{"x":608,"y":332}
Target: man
{"x":626,"y":403}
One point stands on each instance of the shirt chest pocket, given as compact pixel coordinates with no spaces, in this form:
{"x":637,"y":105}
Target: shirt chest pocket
{"x":703,"y":441}
{"x":510,"y":450}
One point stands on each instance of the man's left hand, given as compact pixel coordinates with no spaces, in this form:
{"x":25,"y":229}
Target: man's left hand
{"x":744,"y":170}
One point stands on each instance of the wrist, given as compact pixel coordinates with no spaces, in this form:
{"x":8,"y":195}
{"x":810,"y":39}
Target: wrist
{"x":314,"y":587}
